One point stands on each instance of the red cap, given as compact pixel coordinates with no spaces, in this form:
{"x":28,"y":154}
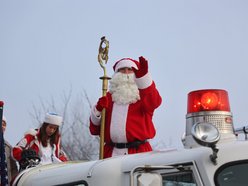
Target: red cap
{"x":208,"y":100}
{"x":1,"y":103}
{"x":126,"y":62}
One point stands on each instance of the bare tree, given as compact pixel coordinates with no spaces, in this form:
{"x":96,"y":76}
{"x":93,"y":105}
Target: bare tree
{"x":77,"y":142}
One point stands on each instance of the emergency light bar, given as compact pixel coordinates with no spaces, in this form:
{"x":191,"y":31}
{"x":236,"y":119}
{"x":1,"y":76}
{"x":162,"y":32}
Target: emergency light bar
{"x":208,"y":106}
{"x":208,"y":100}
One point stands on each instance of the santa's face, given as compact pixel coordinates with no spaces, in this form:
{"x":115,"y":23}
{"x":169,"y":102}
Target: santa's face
{"x":126,"y":70}
{"x":3,"y":126}
{"x":123,"y":88}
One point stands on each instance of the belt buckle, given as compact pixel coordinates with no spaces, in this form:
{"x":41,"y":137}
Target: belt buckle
{"x":125,"y":145}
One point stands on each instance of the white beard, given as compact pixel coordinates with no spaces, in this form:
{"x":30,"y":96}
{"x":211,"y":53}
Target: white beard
{"x":123,"y":88}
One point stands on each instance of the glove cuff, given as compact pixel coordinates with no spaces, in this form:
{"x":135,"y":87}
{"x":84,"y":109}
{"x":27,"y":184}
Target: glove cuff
{"x":144,"y":82}
{"x":95,"y":117}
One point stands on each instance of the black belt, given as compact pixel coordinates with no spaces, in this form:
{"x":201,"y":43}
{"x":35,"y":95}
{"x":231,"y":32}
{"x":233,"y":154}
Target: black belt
{"x":134,"y":144}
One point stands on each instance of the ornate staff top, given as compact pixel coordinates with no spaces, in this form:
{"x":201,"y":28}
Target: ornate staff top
{"x":103,"y":53}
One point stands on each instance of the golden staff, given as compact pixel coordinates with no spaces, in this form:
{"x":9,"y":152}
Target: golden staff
{"x":103,"y":57}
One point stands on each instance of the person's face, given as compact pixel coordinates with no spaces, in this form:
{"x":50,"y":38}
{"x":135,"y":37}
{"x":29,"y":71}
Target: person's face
{"x":126,"y":70}
{"x":51,"y":129}
{"x":3,"y":126}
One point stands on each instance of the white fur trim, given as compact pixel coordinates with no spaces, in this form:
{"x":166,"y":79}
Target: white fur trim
{"x":22,"y":143}
{"x":33,"y":132}
{"x":118,"y":123}
{"x":53,"y":119}
{"x":125,"y":63}
{"x":144,"y":82}
{"x":119,"y":152}
{"x":95,"y":116}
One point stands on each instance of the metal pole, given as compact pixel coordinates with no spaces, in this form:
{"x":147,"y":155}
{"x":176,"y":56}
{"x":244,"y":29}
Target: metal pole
{"x":3,"y":165}
{"x":103,"y":57}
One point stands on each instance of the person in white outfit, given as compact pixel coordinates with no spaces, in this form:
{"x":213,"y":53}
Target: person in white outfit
{"x":45,"y":141}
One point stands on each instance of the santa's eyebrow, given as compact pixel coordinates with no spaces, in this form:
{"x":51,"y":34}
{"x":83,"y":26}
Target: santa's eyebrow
{"x":129,"y":68}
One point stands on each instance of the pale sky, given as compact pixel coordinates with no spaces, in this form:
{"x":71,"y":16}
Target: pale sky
{"x":48,"y":46}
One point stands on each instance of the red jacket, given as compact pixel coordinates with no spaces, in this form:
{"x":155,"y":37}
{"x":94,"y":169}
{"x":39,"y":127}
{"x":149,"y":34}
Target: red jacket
{"x":139,"y":125}
{"x":30,"y":140}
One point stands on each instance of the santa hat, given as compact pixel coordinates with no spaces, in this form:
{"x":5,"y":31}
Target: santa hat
{"x":125,"y":62}
{"x":53,"y":119}
{"x":4,"y":119}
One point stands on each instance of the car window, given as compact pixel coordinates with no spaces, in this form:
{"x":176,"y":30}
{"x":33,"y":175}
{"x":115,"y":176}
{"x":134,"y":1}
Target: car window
{"x":184,"y":178}
{"x":234,"y":173}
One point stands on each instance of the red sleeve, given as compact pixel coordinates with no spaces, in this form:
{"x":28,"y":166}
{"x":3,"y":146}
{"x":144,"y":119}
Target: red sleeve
{"x":63,"y":158}
{"x":22,"y":144}
{"x":150,"y":98}
{"x":17,"y":151}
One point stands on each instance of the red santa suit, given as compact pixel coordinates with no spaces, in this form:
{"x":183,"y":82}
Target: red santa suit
{"x":129,"y":123}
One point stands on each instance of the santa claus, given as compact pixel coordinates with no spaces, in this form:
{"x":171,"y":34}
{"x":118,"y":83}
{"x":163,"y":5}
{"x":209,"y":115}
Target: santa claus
{"x":130,"y":104}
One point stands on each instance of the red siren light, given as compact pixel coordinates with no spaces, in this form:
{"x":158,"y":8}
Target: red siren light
{"x":208,"y":100}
